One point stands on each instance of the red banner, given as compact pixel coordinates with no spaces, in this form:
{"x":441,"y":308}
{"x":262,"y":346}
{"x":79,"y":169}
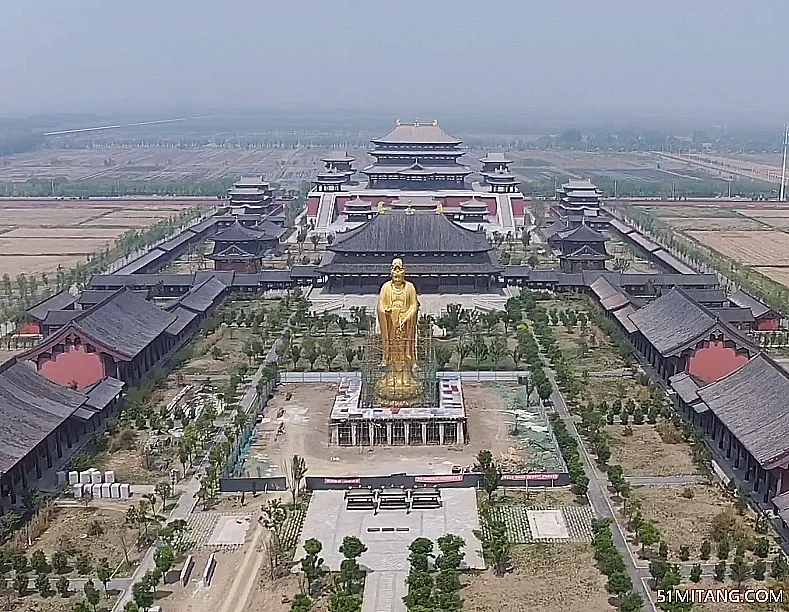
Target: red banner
{"x":542,"y":477}
{"x":438,"y":479}
{"x":342,"y":481}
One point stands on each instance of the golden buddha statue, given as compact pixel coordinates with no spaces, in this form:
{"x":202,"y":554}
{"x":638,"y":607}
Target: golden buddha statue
{"x":398,"y":313}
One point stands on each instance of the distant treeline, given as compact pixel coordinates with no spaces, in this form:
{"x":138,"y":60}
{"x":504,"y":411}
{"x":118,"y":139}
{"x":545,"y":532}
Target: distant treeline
{"x":93,"y":188}
{"x":681,"y":188}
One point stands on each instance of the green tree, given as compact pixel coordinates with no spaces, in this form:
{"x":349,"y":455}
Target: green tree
{"x":298,"y":470}
{"x":351,"y":577}
{"x":103,"y":572}
{"x":739,"y":571}
{"x":274,"y":516}
{"x":92,"y":594}
{"x":779,"y":568}
{"x":38,"y":562}
{"x":705,"y":551}
{"x":143,"y":594}
{"x":442,"y":355}
{"x":648,"y":534}
{"x":59,"y":561}
{"x":762,"y":548}
{"x":723,"y":549}
{"x":312,"y":566}
{"x":695,"y":573}
{"x":43,"y":585}
{"x":720,"y":571}
{"x":759,"y":569}
{"x":631,"y":602}
{"x":619,"y":583}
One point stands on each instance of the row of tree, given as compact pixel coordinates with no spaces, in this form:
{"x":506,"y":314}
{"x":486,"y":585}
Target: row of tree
{"x":434,"y":580}
{"x":613,"y":566}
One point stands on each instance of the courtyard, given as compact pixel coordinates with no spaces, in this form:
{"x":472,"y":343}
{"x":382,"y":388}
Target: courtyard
{"x":296,"y":423}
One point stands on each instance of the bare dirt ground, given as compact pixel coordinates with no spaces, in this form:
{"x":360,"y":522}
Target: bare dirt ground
{"x":645,"y":453}
{"x":779,"y":275}
{"x":764,"y":248}
{"x":590,"y":356}
{"x":70,"y":528}
{"x":546,"y":498}
{"x":555,"y":577}
{"x":714,"y":224}
{"x":229,"y":341}
{"x":606,"y":389}
{"x":44,"y":234}
{"x":54,"y":603}
{"x":306,"y":433}
{"x":682,"y":520}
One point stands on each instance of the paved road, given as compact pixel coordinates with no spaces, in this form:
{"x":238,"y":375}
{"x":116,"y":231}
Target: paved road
{"x":660,"y":481}
{"x":384,"y":591}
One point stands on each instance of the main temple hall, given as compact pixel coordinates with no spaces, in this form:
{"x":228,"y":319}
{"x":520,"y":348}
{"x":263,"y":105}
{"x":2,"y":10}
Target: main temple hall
{"x":421,"y":167}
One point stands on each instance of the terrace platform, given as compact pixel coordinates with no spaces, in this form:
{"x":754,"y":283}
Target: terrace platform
{"x":353,"y":424}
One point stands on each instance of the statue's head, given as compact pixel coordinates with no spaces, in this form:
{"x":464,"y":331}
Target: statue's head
{"x":398,"y":270}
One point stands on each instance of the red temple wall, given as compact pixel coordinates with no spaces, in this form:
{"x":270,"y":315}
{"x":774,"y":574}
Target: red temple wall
{"x":518,"y":207}
{"x":29,"y":328}
{"x":715,"y":361}
{"x":492,"y":205}
{"x":768,"y":324}
{"x":76,"y":364}
{"x":235,"y":266}
{"x":312,"y":206}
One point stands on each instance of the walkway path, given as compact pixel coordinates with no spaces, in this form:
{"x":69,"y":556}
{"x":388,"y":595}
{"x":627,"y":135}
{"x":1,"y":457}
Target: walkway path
{"x":384,"y":591}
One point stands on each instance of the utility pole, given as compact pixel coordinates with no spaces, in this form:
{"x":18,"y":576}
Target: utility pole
{"x":782,"y":192}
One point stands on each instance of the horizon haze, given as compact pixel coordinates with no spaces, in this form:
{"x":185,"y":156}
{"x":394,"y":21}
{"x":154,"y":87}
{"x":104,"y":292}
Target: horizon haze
{"x":716,"y":61}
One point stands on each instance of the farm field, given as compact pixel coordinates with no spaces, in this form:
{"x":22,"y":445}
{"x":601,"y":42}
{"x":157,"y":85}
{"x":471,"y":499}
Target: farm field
{"x":755,"y":234}
{"x":288,"y":167}
{"x":758,"y":248}
{"x":37,"y":236}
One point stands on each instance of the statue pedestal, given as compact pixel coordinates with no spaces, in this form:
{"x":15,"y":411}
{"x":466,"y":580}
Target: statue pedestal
{"x":399,"y":387}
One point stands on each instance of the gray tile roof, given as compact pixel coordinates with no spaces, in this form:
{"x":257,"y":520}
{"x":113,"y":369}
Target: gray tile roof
{"x":621,"y":227}
{"x":644,"y":243}
{"x":59,"y":301}
{"x":58,"y":318}
{"x":237,"y":233}
{"x":174,"y":243}
{"x":585,"y":253}
{"x":582,"y":233}
{"x":671,"y":321}
{"x":151,"y":257}
{"x":707,"y":296}
{"x":31,"y":407}
{"x":674,"y":320}
{"x":201,"y":297}
{"x":496,"y":157}
{"x":91,"y":297}
{"x":422,"y":133}
{"x":399,"y":233}
{"x":753,"y":403}
{"x":184,"y":318}
{"x":103,"y":392}
{"x":686,"y":387}
{"x":124,"y":323}
{"x":623,"y":316}
{"x":745,"y":300}
{"x":610,"y":297}
{"x":672,"y":262}
{"x":734,"y":315}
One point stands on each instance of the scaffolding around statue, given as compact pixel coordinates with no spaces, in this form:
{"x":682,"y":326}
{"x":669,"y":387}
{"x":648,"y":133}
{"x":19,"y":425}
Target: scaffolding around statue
{"x":375,"y":375}
{"x":436,"y":416}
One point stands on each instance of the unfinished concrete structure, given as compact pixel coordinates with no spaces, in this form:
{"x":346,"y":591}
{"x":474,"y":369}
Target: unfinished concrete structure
{"x":354,"y":424}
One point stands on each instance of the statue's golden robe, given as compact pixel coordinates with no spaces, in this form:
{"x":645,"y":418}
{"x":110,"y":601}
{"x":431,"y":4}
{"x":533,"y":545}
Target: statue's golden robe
{"x":398,"y":313}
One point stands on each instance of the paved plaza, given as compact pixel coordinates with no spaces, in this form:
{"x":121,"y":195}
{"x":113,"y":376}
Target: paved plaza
{"x":388,"y":533}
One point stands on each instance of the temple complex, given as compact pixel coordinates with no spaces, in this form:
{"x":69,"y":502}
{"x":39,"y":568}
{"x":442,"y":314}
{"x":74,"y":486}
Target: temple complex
{"x":441,"y":256}
{"x":251,"y":196}
{"x":242,"y":249}
{"x":579,"y":203}
{"x":417,"y":166}
{"x":580,"y":248}
{"x":496,"y":174}
{"x":417,"y":157}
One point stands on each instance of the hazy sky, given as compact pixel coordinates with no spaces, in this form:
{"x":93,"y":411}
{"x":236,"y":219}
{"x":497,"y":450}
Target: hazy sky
{"x":710,"y":58}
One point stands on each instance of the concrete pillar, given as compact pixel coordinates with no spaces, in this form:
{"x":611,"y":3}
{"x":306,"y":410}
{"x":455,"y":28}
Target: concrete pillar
{"x":334,"y":434}
{"x":459,"y":434}
{"x":737,"y":456}
{"x":353,"y":435}
{"x":424,"y":433}
{"x":370,"y":433}
{"x":768,"y":488}
{"x":723,"y":433}
{"x":728,"y":448}
{"x":389,"y":439}
{"x":37,"y":464}
{"x":441,"y":433}
{"x":407,"y":431}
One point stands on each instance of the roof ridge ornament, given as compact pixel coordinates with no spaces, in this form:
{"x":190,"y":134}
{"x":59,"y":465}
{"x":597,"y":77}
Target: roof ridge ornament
{"x":398,"y":123}
{"x":435,"y":122}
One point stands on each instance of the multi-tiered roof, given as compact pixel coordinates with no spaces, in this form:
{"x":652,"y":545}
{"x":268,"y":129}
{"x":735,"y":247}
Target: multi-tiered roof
{"x":496,"y":173}
{"x":579,"y":202}
{"x":417,"y":156}
{"x":251,"y":196}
